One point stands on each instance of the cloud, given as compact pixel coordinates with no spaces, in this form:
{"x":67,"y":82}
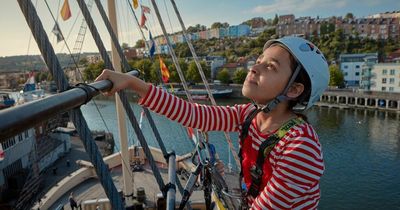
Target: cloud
{"x":290,"y":6}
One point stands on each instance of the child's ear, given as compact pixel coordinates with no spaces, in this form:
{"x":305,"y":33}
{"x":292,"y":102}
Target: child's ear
{"x":295,"y":90}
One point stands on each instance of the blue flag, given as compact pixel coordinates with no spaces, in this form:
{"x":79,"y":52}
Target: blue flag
{"x":152,"y":45}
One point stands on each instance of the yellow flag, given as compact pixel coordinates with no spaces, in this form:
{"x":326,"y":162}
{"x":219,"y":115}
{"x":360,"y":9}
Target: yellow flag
{"x":164,"y":71}
{"x":65,"y":11}
{"x":135,"y":4}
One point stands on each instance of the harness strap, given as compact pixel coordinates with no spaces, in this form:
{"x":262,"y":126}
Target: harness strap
{"x":256,"y":171}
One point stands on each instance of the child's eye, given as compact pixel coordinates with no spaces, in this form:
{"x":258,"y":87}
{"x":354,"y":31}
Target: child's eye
{"x":270,"y":67}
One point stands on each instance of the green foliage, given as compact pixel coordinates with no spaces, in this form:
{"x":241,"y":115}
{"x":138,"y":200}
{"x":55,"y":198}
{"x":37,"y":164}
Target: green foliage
{"x":224,"y":76}
{"x":174,"y":76}
{"x":336,"y":76}
{"x":92,"y":71}
{"x":124,"y":46}
{"x":216,"y":25}
{"x":83,"y":61}
{"x":143,"y":66}
{"x":239,"y":76}
{"x":139,"y":43}
{"x":193,"y":74}
{"x":276,"y":20}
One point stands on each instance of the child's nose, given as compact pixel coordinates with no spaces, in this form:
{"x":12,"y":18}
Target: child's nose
{"x":253,"y":69}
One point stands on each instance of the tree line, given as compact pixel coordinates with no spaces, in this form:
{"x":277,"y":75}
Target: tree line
{"x":332,"y":43}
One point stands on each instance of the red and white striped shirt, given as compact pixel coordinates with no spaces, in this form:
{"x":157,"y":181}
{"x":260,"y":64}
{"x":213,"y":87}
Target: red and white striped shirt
{"x":294,"y":167}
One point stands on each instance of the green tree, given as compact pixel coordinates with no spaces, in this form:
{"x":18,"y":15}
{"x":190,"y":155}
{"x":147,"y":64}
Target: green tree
{"x":349,"y":16}
{"x":83,"y":61}
{"x":124,"y":46}
{"x":336,"y":76}
{"x":140,"y":43}
{"x":276,"y":20}
{"x":92,"y":71}
{"x":193,"y":74}
{"x":216,"y":25}
{"x":174,"y":76}
{"x":239,"y":76}
{"x":224,"y":76}
{"x":143,"y":66}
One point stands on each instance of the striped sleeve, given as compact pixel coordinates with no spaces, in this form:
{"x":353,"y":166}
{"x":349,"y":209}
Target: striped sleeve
{"x":294,"y":183}
{"x":202,"y":117}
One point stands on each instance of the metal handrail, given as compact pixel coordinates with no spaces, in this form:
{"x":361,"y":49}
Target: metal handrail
{"x":16,"y":119}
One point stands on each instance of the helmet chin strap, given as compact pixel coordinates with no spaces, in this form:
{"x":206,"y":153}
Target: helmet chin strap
{"x":281,"y":97}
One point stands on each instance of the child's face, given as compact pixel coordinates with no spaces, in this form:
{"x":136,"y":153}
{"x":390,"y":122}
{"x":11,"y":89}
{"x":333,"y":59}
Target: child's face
{"x":269,"y":76}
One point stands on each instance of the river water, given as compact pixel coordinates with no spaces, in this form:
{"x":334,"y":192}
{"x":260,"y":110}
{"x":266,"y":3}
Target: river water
{"x":361,"y":151}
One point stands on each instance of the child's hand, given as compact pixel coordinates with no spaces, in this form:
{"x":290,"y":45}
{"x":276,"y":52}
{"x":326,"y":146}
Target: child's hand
{"x":120,"y":81}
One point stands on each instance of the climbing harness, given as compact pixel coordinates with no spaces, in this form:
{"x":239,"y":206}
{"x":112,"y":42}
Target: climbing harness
{"x":256,"y":170}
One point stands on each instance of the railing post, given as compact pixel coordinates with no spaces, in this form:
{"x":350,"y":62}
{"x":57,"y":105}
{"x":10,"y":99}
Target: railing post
{"x":172,"y":180}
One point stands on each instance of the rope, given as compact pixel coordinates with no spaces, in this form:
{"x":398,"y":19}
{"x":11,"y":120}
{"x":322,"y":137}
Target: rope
{"x":75,"y":61}
{"x":203,"y":77}
{"x":77,"y":118}
{"x":121,"y":94}
{"x":130,"y":112}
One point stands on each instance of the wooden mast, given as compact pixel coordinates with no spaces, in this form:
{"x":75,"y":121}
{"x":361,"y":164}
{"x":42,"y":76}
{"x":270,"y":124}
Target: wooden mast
{"x":127,"y":175}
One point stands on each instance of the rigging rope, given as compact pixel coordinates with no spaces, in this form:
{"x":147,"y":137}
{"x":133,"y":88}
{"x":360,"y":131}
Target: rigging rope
{"x":121,"y":94}
{"x":53,"y":64}
{"x":150,"y":119}
{"x":75,"y":63}
{"x":203,"y":77}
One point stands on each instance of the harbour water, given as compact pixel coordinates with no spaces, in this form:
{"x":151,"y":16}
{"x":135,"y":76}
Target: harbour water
{"x":361,"y":151}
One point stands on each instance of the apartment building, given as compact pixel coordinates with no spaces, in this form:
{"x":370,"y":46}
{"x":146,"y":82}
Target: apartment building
{"x":379,"y":26}
{"x":386,"y":77}
{"x":351,"y":66}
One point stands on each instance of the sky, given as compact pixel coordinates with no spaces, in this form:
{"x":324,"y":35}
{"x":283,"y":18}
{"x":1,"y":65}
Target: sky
{"x":16,"y":39}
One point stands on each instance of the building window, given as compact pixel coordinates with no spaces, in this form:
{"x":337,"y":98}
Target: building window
{"x":26,"y":134}
{"x":383,"y":80}
{"x":383,"y":88}
{"x":391,"y":89}
{"x":345,"y":73}
{"x":384,"y":72}
{"x":357,"y":73}
{"x":345,"y":66}
{"x":392,"y":71}
{"x":391,"y":81}
{"x":357,"y":66}
{"x":20,"y":137}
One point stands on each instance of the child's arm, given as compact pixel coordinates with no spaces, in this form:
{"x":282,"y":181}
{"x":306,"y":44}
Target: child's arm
{"x":122,"y":81}
{"x":203,"y":117}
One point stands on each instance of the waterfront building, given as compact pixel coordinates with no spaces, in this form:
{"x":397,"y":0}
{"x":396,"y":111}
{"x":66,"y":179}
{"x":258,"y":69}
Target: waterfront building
{"x":386,"y":77}
{"x":366,"y":74}
{"x":238,"y":31}
{"x":379,"y":26}
{"x":351,"y":66}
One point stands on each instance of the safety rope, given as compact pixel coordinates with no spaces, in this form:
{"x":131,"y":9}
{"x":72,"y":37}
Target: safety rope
{"x":122,"y":94}
{"x":76,"y":115}
{"x":203,"y":77}
{"x":126,"y":66}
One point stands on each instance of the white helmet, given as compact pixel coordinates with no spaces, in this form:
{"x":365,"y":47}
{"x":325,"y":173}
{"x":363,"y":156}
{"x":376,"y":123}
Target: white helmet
{"x":312,"y":60}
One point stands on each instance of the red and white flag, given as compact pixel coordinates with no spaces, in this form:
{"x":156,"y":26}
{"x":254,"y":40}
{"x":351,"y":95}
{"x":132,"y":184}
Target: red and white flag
{"x":145,"y":9}
{"x":143,"y":21}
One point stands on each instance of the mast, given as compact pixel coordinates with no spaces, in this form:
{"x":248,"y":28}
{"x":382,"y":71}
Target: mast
{"x":123,"y":138}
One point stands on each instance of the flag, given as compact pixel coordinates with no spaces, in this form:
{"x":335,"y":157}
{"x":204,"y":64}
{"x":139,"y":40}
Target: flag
{"x":164,"y":71}
{"x":152,"y":49}
{"x":143,"y":21}
{"x":65,"y":11}
{"x":135,"y":3}
{"x":145,"y":9}
{"x":2,"y":154}
{"x":56,"y":31}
